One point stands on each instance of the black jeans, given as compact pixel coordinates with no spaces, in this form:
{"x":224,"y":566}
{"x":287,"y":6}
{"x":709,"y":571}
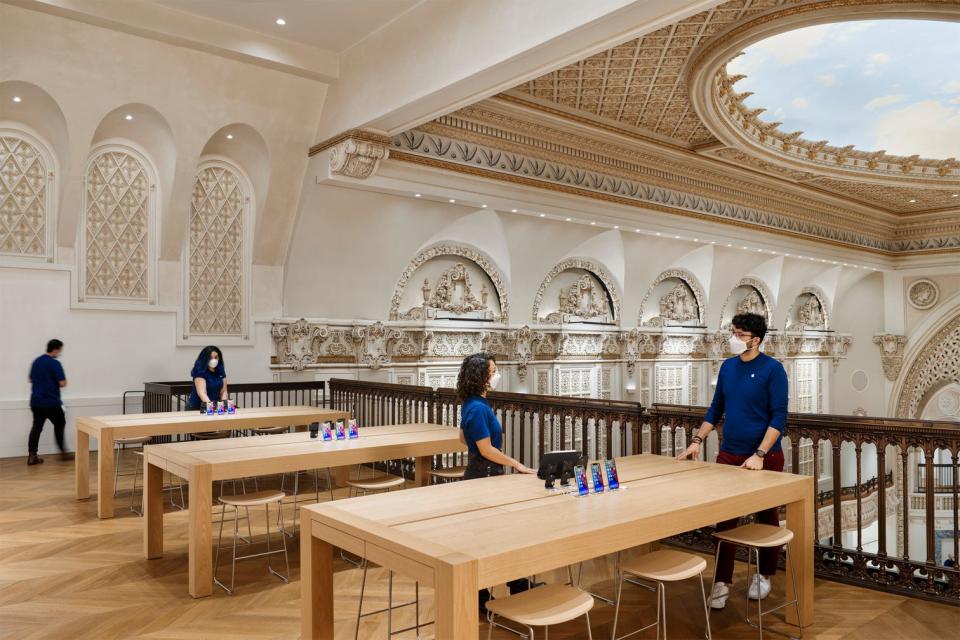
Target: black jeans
{"x":40,"y":416}
{"x":480,"y":467}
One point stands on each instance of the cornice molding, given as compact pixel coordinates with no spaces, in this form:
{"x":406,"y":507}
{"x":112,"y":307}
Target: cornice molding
{"x":359,"y":135}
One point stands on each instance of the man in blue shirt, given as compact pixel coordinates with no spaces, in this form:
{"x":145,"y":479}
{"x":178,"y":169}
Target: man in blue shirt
{"x":46,"y":378}
{"x":752,"y":392}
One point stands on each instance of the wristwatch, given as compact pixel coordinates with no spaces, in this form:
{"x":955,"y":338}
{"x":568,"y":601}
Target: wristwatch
{"x":697,"y":439}
{"x":760,"y":453}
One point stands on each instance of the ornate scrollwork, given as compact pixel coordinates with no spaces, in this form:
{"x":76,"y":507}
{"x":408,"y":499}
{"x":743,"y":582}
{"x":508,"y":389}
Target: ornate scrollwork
{"x":809,"y":310}
{"x":524,"y":342}
{"x":357,"y":158}
{"x":891,"y":354}
{"x":296,"y":343}
{"x":923,"y":294}
{"x":374,"y":343}
{"x":597,"y":302}
{"x":452,"y":295}
{"x":676,"y":306}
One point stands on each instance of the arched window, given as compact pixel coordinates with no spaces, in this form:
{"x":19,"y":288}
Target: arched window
{"x":117,"y":246}
{"x":26,"y":198}
{"x":216,"y":258}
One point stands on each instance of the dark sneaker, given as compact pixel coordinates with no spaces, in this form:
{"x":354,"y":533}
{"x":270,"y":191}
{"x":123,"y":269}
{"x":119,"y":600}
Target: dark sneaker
{"x":33,"y":459}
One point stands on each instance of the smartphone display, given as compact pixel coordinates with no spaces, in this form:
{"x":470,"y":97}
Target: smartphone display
{"x":597,"y":477}
{"x":327,"y":432}
{"x":613,"y":481}
{"x":352,"y":430}
{"x":341,"y":434}
{"x":581,"y":475}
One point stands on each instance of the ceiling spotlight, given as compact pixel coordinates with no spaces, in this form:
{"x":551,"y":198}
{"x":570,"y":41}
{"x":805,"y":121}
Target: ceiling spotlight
{"x":676,"y":237}
{"x":730,"y":245}
{"x":452,"y":201}
{"x":513,"y":210}
{"x":658,"y":233}
{"x":128,"y":117}
{"x":568,"y":219}
{"x":912,"y":200}
{"x":616,"y":226}
{"x":696,"y":239}
{"x":543,"y":215}
{"x":637,"y":230}
{"x":416,"y":195}
{"x":483,"y":206}
{"x":953,"y":195}
{"x":281,"y":21}
{"x":17,"y":99}
{"x":229,"y":136}
{"x":593,"y":223}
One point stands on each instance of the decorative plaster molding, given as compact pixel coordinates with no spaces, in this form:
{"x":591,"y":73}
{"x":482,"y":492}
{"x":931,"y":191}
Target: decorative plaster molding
{"x":475,"y":256}
{"x":937,"y":362}
{"x":578,"y":263}
{"x":690,"y":281}
{"x":891,"y":353}
{"x":923,"y":294}
{"x":761,"y":289}
{"x":811,"y":318}
{"x":524,"y":341}
{"x":357,"y":158}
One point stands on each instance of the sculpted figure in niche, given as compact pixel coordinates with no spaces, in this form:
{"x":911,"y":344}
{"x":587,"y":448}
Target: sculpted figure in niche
{"x":582,"y":299}
{"x":678,"y":305}
{"x":453,"y":292}
{"x":752,"y":303}
{"x":810,"y":314}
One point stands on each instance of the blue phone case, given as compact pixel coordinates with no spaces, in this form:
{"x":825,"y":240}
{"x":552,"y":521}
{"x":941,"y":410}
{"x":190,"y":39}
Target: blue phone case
{"x":581,"y":476}
{"x":597,"y":477}
{"x":613,"y":481}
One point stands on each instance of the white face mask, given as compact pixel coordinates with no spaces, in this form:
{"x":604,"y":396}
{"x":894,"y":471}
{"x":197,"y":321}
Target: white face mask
{"x":494,"y":380}
{"x":213,"y":363}
{"x":737,"y":346}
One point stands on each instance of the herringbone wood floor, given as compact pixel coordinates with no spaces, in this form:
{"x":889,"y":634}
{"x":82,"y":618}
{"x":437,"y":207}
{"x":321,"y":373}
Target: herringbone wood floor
{"x":66,"y":574}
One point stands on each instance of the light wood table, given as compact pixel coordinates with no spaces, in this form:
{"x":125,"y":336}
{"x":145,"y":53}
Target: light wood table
{"x":461,"y":537}
{"x":108,"y":429}
{"x":202,"y":462}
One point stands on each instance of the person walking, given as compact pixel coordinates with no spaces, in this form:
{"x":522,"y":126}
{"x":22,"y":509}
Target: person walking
{"x":752,"y":392}
{"x":46,"y":379}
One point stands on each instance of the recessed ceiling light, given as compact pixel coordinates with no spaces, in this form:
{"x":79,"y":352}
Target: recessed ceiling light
{"x":417,"y":195}
{"x":676,"y":237}
{"x":729,"y":245}
{"x":128,"y":117}
{"x":281,"y":21}
{"x":616,"y":226}
{"x":637,"y":230}
{"x":658,"y":233}
{"x":746,"y":247}
{"x":513,"y":210}
{"x":452,"y":200}
{"x":955,"y":195}
{"x":229,"y":136}
{"x":17,"y":99}
{"x":568,"y":219}
{"x":787,"y":255}
{"x":593,"y":223}
{"x":696,"y":239}
{"x":713,"y":242}
{"x":543,"y":215}
{"x":912,"y":200}
{"x":760,"y":250}
{"x":844,"y":264}
{"x":483,"y":206}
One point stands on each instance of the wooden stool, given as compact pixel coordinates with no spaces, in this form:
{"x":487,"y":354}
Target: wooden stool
{"x":385,"y":483}
{"x":211,"y":435}
{"x":296,"y":493}
{"x":133,"y":492}
{"x":267,"y":431}
{"x":448,"y":475}
{"x":542,"y":607}
{"x":762,"y":536}
{"x":661,"y":566}
{"x":264,"y":498}
{"x":120,"y":446}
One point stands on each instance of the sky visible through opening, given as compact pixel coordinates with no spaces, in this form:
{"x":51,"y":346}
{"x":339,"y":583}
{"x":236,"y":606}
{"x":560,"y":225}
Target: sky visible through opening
{"x":889,"y":85}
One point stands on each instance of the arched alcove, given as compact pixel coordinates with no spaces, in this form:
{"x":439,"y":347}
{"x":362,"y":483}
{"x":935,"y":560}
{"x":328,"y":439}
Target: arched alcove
{"x":243,"y":146}
{"x":936,"y":366}
{"x":577,"y":290}
{"x":810,"y":311}
{"x":676,"y":298}
{"x":750,"y":295}
{"x":450,"y":281}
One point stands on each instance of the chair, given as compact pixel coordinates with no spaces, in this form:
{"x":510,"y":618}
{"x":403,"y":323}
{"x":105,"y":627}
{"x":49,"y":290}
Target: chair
{"x":452,"y":474}
{"x":262,"y":498}
{"x":211,"y":435}
{"x":384,"y":483}
{"x":541,"y":607}
{"x":763,"y":536}
{"x":660,"y":567}
{"x":133,"y":492}
{"x":296,"y":493}
{"x":120,"y":445}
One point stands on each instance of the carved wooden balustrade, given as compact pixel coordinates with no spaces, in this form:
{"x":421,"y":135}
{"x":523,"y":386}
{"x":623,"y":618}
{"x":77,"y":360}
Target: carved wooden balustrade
{"x":864,"y":538}
{"x":173,"y":396}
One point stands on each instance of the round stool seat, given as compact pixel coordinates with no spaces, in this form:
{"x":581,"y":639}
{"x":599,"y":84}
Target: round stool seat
{"x":757,"y":535}
{"x":263,"y":431}
{"x":134,"y":440}
{"x":211,"y":435}
{"x":449,"y":474}
{"x":547,"y":605}
{"x":665,"y":565}
{"x":253,"y":499}
{"x":377,"y":484}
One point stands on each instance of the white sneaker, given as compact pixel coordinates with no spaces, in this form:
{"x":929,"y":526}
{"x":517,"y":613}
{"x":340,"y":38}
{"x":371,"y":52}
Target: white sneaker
{"x":718,"y":597}
{"x":759,"y":587}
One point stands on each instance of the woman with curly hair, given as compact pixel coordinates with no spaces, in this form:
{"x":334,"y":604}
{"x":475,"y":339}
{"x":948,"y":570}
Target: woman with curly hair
{"x":481,"y":432}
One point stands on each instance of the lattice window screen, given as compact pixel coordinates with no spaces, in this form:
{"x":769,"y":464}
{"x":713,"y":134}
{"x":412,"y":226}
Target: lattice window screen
{"x":116,"y":227}
{"x":23,"y":198}
{"x":576,"y":383}
{"x":807,"y":386}
{"x":216,"y":253}
{"x":672,"y":382}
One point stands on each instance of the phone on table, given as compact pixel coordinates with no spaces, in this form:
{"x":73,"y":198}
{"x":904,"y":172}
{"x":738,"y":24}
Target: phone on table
{"x":597,"y":477}
{"x":581,"y":475}
{"x":352,"y":430}
{"x":341,"y":434}
{"x":613,"y":481}
{"x":327,"y":431}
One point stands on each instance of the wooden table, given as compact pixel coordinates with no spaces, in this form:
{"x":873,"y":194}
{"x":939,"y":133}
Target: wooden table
{"x":202,"y":462}
{"x":464,"y":536}
{"x":108,"y":429}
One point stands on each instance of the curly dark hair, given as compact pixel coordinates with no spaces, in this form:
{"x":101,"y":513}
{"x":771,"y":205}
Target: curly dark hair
{"x":753,"y":323}
{"x":473,"y":376}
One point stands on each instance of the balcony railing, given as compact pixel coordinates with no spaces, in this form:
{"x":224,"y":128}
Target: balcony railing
{"x":944,"y":478}
{"x":535,"y":424}
{"x":172,"y":396}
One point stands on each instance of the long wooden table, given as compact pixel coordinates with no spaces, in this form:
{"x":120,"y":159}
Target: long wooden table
{"x":465,"y":536}
{"x":108,"y":429}
{"x":202,"y":462}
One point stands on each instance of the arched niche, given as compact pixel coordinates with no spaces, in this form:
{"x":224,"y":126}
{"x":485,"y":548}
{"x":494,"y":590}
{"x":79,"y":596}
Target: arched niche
{"x":675,"y":299}
{"x":577,"y":290}
{"x":243,"y":146}
{"x":751,"y":295}
{"x":809,"y":311}
{"x":447,"y":282}
{"x":936,"y":366}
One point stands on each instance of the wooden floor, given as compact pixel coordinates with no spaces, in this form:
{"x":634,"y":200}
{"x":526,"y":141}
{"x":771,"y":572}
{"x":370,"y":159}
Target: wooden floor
{"x":66,"y":574}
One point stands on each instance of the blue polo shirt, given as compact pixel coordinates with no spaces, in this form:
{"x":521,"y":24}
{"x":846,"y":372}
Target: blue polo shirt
{"x":46,"y":373}
{"x":753,"y":395}
{"x":214,"y":380}
{"x":478,"y":421}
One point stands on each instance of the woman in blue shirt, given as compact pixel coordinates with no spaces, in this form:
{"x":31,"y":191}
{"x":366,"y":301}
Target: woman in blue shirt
{"x":209,"y":379}
{"x":481,"y":432}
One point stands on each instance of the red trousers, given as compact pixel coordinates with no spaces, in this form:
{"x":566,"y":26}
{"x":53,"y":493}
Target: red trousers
{"x":773,"y":461}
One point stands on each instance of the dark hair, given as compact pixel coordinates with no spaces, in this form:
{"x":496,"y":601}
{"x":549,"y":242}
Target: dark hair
{"x":200,"y":365}
{"x":474,"y":374}
{"x":53,"y":345}
{"x":751,"y":322}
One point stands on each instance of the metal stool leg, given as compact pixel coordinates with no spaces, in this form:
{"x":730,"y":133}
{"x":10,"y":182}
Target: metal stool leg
{"x":796,"y":594}
{"x":133,"y":492}
{"x":706,"y":607}
{"x":363,"y":585}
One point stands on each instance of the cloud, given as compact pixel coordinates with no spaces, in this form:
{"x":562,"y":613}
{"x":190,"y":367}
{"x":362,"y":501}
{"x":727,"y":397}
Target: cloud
{"x":884,"y":101}
{"x":927,"y":128}
{"x":880,"y":58}
{"x":876,"y":61}
{"x":952,"y":87}
{"x":827,"y":79}
{"x":955,"y":100}
{"x":793,"y":46}
{"x":800,"y":103}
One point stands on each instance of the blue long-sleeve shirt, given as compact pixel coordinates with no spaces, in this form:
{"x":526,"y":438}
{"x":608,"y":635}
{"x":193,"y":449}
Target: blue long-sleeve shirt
{"x":753,"y":395}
